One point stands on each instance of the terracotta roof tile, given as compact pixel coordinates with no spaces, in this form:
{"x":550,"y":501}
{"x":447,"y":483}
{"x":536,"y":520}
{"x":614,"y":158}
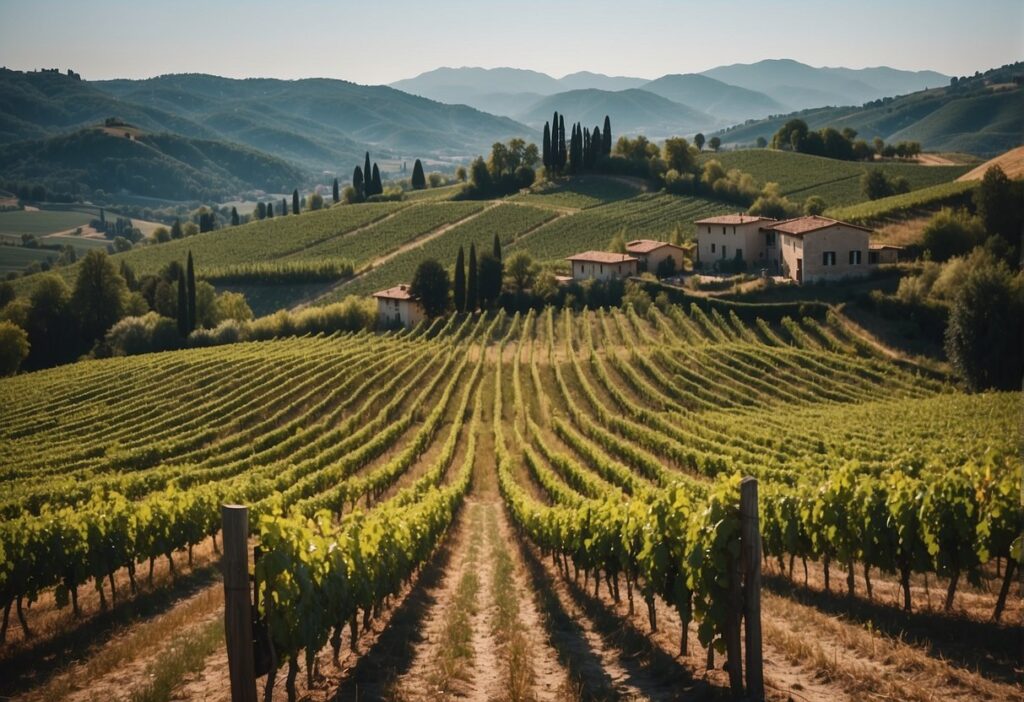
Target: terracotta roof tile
{"x":602,"y":257}
{"x":734,"y":219}
{"x":399,"y":292}
{"x":799,"y":226}
{"x":642,"y":246}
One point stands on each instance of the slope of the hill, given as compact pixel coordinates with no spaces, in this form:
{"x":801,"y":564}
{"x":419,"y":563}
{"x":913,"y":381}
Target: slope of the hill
{"x":633,"y":111}
{"x":1012,"y":163}
{"x":714,"y":97}
{"x":982,"y":116}
{"x":799,"y":175}
{"x":337,"y":119}
{"x":165,"y":166}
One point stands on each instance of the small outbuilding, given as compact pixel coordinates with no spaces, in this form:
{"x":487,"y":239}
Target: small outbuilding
{"x":398,"y":306}
{"x":652,"y":256}
{"x":883,"y":253}
{"x":602,"y":265}
{"x":737,"y":237}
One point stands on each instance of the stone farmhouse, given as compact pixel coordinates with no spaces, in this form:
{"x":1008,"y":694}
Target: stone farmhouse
{"x":398,"y":306}
{"x":804,"y":249}
{"x":651,"y":254}
{"x":602,"y":265}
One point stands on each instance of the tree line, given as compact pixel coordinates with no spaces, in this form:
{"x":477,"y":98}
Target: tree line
{"x":844,"y":145}
{"x":585,"y":146}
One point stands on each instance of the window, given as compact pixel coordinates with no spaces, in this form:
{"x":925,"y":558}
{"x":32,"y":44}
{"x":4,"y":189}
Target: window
{"x":602,"y":268}
{"x":723,"y":230}
{"x":739,"y":253}
{"x":855,"y":258}
{"x":712,"y":248}
{"x":723,"y":250}
{"x":828,"y":258}
{"x":734,"y":231}
{"x":769,"y":238}
{"x":873,"y":257}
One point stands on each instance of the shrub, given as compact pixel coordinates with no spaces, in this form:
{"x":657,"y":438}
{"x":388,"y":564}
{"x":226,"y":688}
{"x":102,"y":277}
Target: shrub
{"x":951,"y":233}
{"x":13,"y":347}
{"x":134,"y":335}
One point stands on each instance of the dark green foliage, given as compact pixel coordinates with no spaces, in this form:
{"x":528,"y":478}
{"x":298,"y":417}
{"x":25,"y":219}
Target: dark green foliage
{"x":6,"y":293}
{"x":190,"y":280}
{"x":562,"y":153}
{"x":490,"y":276}
{"x":367,"y":175}
{"x":418,"y":180}
{"x":176,"y":232}
{"x":606,"y":134}
{"x":459,"y":292}
{"x":1000,"y":205}
{"x":182,"y":313}
{"x":358,"y":184}
{"x":295,"y":201}
{"x":284,"y":207}
{"x":876,"y":183}
{"x":378,"y":186}
{"x":950,"y":234}
{"x":50,"y":324}
{"x":261,"y":211}
{"x":546,"y":150}
{"x":666,"y":267}
{"x":99,"y":297}
{"x":472,"y":289}
{"x":430,"y":285}
{"x":235,"y":220}
{"x":698,"y":140}
{"x":207,"y":221}
{"x":985,"y":335}
{"x":335,"y":194}
{"x":714,"y":143}
{"x":510,"y":168}
{"x":829,"y":142}
{"x":269,"y":210}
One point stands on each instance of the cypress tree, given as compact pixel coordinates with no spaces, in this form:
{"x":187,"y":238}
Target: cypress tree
{"x":471,"y":291}
{"x":190,"y":279}
{"x":460,"y":281}
{"x":378,"y":187}
{"x":176,"y":232}
{"x":234,"y":217}
{"x":547,"y":147}
{"x":562,"y":155}
{"x":261,"y":210}
{"x":596,"y":145}
{"x":587,"y":161}
{"x":606,"y":134}
{"x":366,"y":174}
{"x":270,"y":210}
{"x":496,"y":249}
{"x":295,"y":201}
{"x":334,"y":193}
{"x":284,"y":207}
{"x":418,"y":180}
{"x":182,"y":304}
{"x":357,"y":183}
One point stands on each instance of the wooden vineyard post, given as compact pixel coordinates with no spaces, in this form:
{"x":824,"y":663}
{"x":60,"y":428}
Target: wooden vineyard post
{"x":238,"y":603}
{"x":750,"y":558}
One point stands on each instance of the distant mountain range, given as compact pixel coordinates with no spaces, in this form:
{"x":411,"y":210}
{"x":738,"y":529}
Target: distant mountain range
{"x":725,"y":95}
{"x":318,"y":124}
{"x":983,"y":115}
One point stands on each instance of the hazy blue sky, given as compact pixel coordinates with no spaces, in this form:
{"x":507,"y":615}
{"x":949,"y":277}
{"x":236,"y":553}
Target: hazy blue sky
{"x":378,"y":42}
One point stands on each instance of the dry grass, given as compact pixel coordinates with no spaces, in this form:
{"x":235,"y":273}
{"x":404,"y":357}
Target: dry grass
{"x":456,"y":649}
{"x":140,"y":640}
{"x":1012,"y":163}
{"x":507,"y":627}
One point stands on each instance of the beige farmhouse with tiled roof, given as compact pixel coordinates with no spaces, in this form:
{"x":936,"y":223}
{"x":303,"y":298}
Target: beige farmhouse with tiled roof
{"x":602,"y":265}
{"x":399,"y":306}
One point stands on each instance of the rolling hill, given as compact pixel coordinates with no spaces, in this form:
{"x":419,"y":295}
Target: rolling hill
{"x":166,"y":166}
{"x":801,"y":86}
{"x":633,"y":111}
{"x":984,"y":117}
{"x":714,"y":97}
{"x":318,"y":124}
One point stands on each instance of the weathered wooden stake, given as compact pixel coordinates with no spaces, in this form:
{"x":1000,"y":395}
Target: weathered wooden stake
{"x":751,"y":558}
{"x":238,"y":603}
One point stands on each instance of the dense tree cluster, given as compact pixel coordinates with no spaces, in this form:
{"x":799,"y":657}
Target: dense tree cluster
{"x":585,"y":147}
{"x":843,"y":144}
{"x":509,"y":168}
{"x":366,"y":183}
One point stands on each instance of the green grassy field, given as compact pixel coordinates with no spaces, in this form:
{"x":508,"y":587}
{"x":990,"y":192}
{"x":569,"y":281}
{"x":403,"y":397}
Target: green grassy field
{"x":924,"y":198}
{"x":799,"y":176}
{"x":41,"y":222}
{"x":16,"y":258}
